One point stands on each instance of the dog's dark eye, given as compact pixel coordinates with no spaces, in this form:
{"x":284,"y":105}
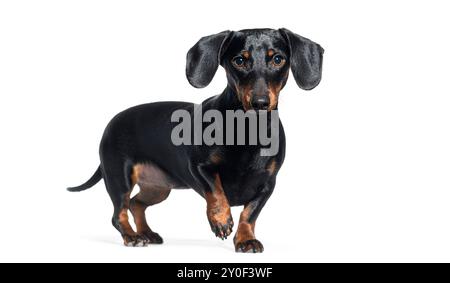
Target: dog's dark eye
{"x":239,"y":61}
{"x":278,"y":60}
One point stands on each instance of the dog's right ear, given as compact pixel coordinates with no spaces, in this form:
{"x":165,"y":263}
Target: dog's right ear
{"x":306,"y":59}
{"x":204,"y":58}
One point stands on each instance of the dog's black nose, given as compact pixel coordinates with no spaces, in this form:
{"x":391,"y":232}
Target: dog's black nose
{"x":260,"y":102}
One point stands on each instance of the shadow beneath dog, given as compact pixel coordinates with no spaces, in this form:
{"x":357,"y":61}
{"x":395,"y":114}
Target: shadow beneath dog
{"x":200,"y":243}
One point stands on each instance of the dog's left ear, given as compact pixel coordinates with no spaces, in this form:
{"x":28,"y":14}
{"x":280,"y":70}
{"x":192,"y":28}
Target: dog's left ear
{"x":306,"y":59}
{"x":204,"y":58}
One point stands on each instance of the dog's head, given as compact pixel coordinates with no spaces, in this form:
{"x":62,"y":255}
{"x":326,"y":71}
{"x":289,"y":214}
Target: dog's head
{"x":256,"y":62}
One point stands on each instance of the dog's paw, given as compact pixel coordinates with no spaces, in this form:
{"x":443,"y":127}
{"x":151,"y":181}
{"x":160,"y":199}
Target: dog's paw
{"x":249,"y":246}
{"x":134,"y":241}
{"x":222,"y":229}
{"x":152,"y":237}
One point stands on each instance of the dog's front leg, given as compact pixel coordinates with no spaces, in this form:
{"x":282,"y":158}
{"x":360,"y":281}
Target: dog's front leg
{"x":217,"y":207}
{"x":245,"y":240}
{"x":218,"y":210}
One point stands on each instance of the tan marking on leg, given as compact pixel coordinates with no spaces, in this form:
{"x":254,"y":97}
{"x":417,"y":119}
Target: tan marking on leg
{"x":246,"y":230}
{"x":218,"y":209}
{"x":125,"y":224}
{"x":272,"y":167}
{"x":146,"y":197}
{"x":138,"y":211}
{"x":123,"y":217}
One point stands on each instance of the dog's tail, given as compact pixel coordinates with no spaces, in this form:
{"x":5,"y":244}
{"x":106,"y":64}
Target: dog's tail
{"x":89,"y":183}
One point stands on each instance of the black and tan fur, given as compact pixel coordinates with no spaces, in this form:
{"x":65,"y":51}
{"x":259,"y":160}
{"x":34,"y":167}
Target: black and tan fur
{"x":136,"y":147}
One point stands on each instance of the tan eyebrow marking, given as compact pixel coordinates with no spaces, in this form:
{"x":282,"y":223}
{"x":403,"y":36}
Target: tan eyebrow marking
{"x":246,"y":54}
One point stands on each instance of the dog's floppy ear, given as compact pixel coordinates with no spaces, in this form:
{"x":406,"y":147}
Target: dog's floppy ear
{"x":306,"y":59}
{"x":204,"y":58}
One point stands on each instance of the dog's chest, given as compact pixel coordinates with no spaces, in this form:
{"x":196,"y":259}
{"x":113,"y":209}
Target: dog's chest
{"x":243,"y":177}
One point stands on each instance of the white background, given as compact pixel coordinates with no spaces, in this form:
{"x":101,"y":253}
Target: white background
{"x":366,"y":176}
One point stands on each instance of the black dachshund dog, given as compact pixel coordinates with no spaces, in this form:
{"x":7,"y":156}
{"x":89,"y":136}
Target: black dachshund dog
{"x":136,"y":147}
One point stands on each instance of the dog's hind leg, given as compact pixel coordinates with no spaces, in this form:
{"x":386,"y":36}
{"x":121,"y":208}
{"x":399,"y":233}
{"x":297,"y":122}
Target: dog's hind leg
{"x":146,"y":197}
{"x":119,"y":186}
